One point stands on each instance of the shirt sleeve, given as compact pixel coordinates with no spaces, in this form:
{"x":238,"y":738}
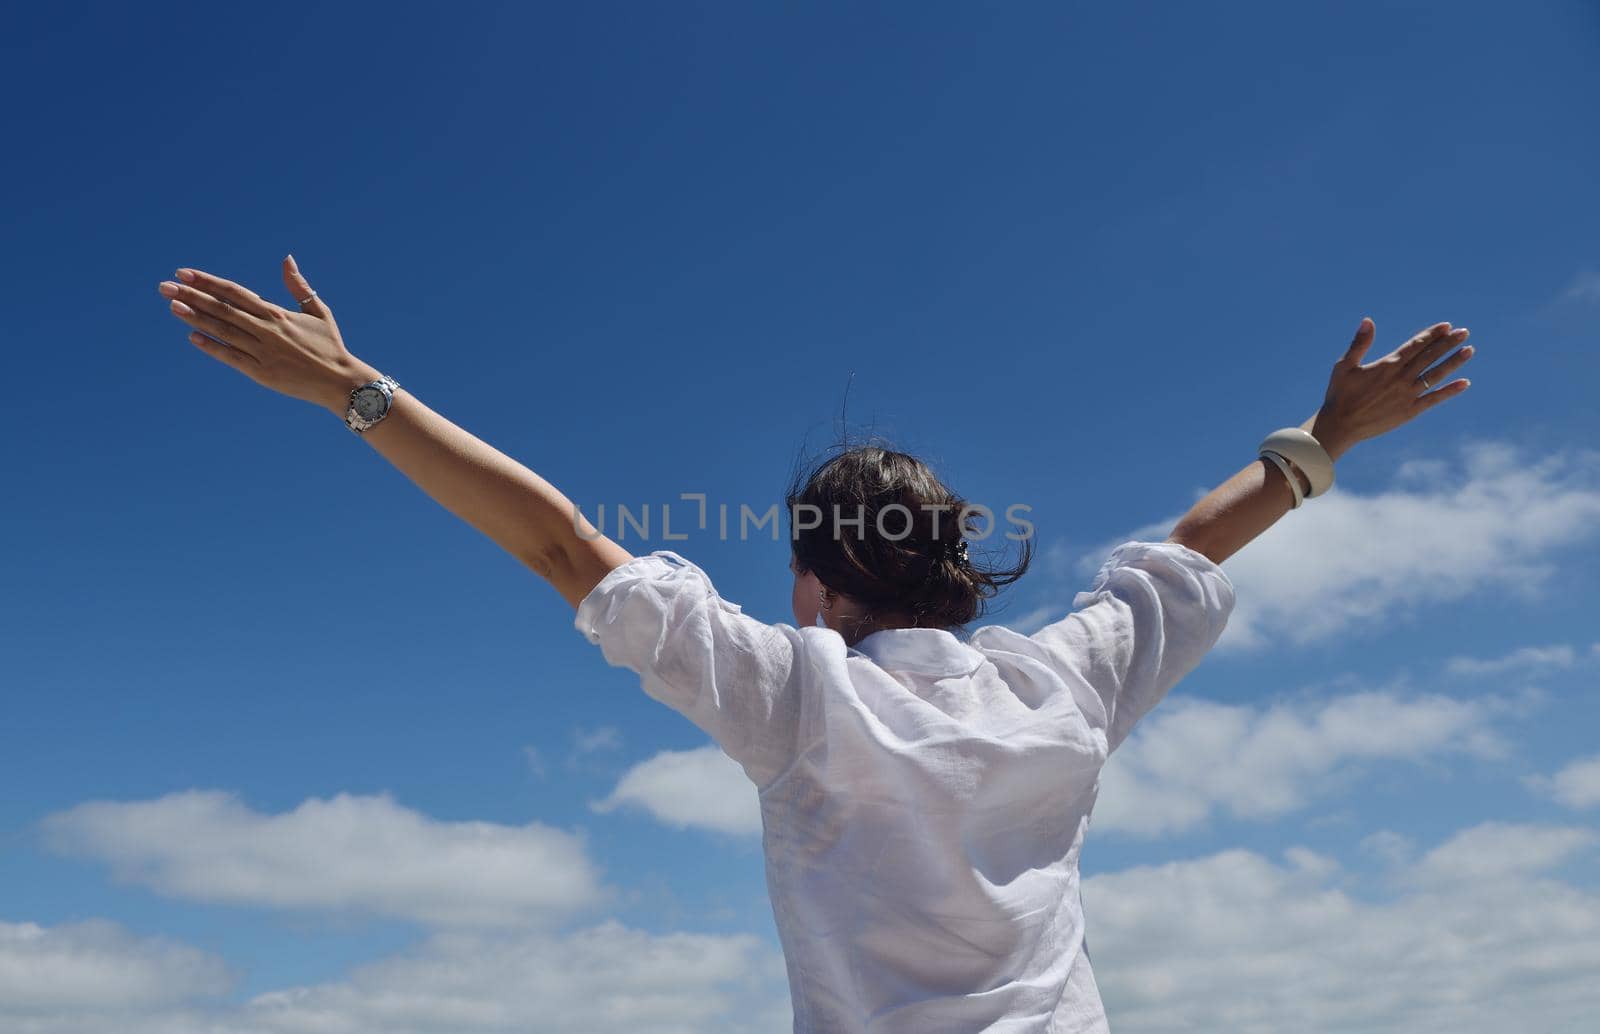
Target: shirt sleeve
{"x":734,"y":677}
{"x":1153,"y":611}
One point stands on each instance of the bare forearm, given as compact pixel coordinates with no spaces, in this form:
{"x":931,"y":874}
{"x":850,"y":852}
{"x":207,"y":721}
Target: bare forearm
{"x":1248,"y":503}
{"x":520,"y":511}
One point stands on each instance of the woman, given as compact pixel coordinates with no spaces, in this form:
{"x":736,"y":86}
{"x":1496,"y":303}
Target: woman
{"x":924,"y":791}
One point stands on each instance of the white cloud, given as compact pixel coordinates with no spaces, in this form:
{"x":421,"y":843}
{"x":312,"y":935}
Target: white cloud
{"x":1577,"y":785}
{"x":361,"y":854}
{"x":587,"y":743}
{"x":701,"y":788}
{"x":1585,"y":286}
{"x":603,"y":978}
{"x":606,"y":977}
{"x":605,"y":737}
{"x":96,"y":966}
{"x":1521,"y":661}
{"x":1499,"y":851}
{"x":1192,"y":759}
{"x":1495,"y":525}
{"x":1392,"y":848}
{"x":1271,"y":947}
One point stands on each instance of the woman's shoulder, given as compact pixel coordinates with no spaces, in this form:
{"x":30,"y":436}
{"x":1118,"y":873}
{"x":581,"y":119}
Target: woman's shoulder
{"x":1001,"y":637}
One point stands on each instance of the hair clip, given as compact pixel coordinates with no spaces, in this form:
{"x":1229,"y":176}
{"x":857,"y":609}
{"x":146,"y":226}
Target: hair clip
{"x":956,"y":549}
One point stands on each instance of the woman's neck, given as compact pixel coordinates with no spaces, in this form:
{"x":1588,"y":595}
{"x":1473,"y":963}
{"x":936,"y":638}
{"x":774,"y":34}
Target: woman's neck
{"x":854,"y":630}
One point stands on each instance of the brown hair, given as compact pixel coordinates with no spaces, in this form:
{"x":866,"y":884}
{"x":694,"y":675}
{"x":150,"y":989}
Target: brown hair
{"x":918,"y":571}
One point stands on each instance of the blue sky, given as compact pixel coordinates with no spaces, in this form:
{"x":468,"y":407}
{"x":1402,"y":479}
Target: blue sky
{"x":280,"y":735}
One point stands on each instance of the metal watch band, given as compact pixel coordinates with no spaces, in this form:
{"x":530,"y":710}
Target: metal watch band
{"x":385,"y":384}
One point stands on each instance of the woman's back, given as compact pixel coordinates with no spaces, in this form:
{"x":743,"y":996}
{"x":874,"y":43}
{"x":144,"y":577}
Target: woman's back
{"x":924,"y":794}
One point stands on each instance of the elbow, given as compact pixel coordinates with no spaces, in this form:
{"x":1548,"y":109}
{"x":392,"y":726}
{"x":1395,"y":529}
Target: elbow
{"x":1187,"y":537}
{"x":575,"y":567}
{"x":546,"y":560}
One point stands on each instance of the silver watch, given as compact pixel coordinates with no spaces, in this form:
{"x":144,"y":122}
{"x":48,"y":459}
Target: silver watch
{"x":370,"y":403}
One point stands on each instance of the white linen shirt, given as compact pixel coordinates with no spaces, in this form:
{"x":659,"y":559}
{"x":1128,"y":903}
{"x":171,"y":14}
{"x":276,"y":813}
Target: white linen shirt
{"x":924,"y":795}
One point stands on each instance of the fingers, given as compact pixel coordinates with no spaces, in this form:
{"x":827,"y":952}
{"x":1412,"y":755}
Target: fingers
{"x":1434,"y":349}
{"x":300,"y":289}
{"x":1446,"y":368}
{"x":1440,"y":393}
{"x":212,"y":307}
{"x":227,"y":333}
{"x":230,"y":292}
{"x":1362,"y":342}
{"x":244,"y":362}
{"x":1423,"y":338}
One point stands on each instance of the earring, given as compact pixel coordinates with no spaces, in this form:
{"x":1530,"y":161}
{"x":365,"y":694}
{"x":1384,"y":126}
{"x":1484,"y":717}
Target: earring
{"x":822,"y":598}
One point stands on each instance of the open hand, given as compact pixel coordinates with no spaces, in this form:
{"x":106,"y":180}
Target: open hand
{"x":299,"y":354}
{"x":1364,"y":401}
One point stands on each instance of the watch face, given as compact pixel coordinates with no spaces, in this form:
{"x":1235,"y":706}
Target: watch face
{"x":369,"y":403}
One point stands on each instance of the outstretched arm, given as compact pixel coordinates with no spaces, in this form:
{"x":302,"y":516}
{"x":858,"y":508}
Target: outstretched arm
{"x":302,"y":355}
{"x":1362,"y":402}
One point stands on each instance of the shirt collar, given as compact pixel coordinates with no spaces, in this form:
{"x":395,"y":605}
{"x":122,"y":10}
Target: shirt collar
{"x":932,"y":651}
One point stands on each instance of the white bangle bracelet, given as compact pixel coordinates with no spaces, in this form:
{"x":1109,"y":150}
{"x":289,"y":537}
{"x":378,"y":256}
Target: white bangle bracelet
{"x":1289,"y":475}
{"x":1296,"y":445}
